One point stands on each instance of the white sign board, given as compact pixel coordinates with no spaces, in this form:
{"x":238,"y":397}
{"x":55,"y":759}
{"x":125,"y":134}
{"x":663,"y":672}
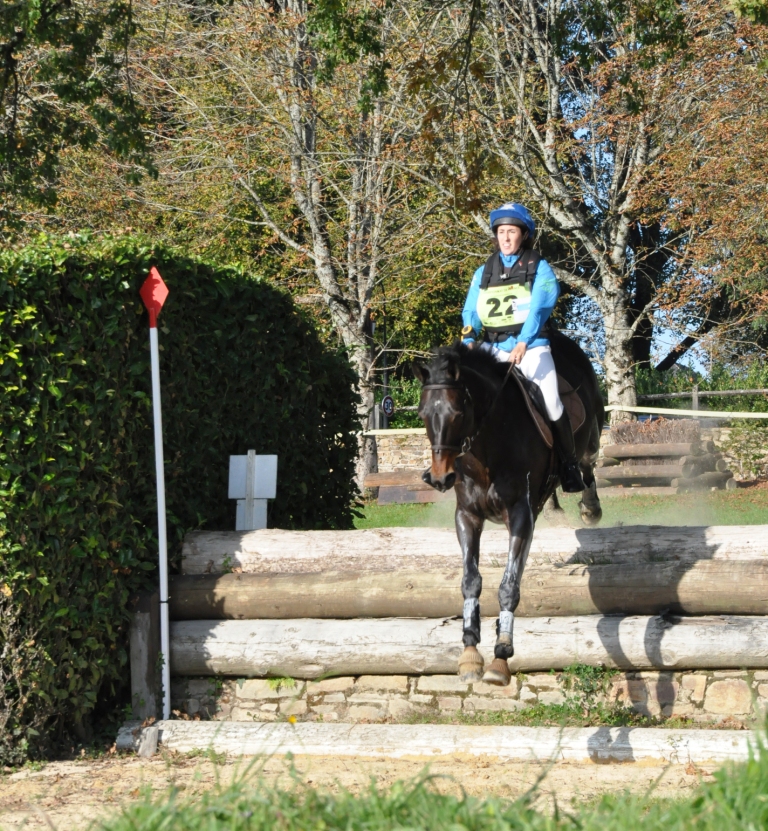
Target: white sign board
{"x":252,"y":480}
{"x":264,"y":477}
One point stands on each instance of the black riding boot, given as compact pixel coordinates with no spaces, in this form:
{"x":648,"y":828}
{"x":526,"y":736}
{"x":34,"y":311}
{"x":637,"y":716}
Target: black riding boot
{"x":570,"y":475}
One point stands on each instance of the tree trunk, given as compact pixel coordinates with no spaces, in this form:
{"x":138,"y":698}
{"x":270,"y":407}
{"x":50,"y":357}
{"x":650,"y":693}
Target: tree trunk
{"x":618,"y":361}
{"x":708,"y":587}
{"x":313,"y":648}
{"x":272,"y":551}
{"x":367,"y":457}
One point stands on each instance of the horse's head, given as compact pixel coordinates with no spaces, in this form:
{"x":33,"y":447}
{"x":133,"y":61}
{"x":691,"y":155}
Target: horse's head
{"x":447,"y":412}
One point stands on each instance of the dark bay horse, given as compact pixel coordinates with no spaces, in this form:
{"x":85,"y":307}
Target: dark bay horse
{"x":485,"y":444}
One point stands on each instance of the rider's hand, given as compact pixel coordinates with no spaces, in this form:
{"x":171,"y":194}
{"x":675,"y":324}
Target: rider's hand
{"x":517,"y":354}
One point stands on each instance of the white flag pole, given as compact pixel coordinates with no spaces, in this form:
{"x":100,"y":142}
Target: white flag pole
{"x":153,"y":292}
{"x":165,"y":644}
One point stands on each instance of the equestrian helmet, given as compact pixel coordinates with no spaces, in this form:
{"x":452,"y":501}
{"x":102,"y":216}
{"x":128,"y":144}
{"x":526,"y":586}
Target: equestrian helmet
{"x":513,"y":213}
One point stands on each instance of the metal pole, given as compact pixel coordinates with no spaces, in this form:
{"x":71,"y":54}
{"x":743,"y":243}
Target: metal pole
{"x":385,"y":367}
{"x":250,"y":475}
{"x":165,"y":646}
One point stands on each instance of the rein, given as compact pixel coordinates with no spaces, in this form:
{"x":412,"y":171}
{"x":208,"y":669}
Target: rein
{"x":466,"y":445}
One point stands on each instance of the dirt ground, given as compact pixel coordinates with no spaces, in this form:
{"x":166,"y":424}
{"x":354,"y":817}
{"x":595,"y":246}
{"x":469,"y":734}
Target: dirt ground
{"x":71,"y":796}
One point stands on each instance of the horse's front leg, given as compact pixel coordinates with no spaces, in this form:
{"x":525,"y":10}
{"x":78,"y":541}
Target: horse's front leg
{"x":468,"y":529}
{"x":520,"y":525}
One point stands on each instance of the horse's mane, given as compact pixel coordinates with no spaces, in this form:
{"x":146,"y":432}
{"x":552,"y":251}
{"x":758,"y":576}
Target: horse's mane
{"x":480,"y":361}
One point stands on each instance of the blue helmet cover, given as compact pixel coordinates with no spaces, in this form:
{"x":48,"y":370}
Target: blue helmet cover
{"x":513,"y":213}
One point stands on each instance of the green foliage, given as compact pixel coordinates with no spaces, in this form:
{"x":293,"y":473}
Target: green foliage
{"x":753,"y":376}
{"x":281,"y":683}
{"x":62,"y":83}
{"x":754,"y":10}
{"x":405,"y":392}
{"x":748,"y":444}
{"x":735,"y":799}
{"x":345,"y":34}
{"x":588,"y":690}
{"x":240,"y":368}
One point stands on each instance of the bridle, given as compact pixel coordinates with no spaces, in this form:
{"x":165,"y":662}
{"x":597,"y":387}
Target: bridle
{"x":466,"y":445}
{"x":460,"y":450}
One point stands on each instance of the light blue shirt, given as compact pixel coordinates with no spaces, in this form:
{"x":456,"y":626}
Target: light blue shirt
{"x":543,"y":298}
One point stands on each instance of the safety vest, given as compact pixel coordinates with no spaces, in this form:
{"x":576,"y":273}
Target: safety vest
{"x":504,"y":300}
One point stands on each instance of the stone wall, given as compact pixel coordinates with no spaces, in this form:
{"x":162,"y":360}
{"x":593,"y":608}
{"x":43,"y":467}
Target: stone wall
{"x":703,"y":698}
{"x":412,"y":452}
{"x":403,"y":452}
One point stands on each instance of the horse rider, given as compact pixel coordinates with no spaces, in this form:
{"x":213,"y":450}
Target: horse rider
{"x":511,"y":298}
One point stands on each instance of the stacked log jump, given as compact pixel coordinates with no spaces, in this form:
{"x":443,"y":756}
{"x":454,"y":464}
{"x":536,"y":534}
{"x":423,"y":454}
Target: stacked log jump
{"x":388,"y":601}
{"x":405,"y":486}
{"x":680,"y":466}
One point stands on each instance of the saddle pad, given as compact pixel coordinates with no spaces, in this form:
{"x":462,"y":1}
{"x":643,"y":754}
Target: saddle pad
{"x":571,"y":401}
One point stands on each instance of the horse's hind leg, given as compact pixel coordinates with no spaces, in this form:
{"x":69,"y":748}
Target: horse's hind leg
{"x":589,"y":505}
{"x":552,"y":507}
{"x":520,"y":525}
{"x":468,"y":529}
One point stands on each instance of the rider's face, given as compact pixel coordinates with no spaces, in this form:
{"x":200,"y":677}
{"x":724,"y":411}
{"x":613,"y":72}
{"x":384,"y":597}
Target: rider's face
{"x":510,"y":238}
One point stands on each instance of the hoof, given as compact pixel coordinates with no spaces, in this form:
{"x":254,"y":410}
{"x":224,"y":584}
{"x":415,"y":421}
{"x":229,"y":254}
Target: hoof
{"x":498,"y":673}
{"x":590,"y":516}
{"x":470,"y":665}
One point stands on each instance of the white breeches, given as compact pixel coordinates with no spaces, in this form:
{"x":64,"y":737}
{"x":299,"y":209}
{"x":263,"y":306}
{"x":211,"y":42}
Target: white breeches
{"x":537,"y":366}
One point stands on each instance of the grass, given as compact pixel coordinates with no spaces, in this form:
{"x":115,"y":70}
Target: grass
{"x":748,"y":506}
{"x":587,"y":704}
{"x":568,"y":714}
{"x":736,"y":799}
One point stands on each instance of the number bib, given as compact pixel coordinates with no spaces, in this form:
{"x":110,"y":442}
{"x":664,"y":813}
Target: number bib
{"x":502,"y":308}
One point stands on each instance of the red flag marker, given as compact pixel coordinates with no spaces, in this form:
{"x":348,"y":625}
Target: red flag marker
{"x":154,"y":293}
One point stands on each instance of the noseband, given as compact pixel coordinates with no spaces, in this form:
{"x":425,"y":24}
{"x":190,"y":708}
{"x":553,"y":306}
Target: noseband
{"x":467,"y":443}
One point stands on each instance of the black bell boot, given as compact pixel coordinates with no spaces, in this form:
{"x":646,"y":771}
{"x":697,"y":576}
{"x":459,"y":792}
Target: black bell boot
{"x":570,"y":475}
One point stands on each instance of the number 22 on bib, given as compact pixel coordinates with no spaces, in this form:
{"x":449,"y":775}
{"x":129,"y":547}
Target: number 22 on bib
{"x":504,"y":308}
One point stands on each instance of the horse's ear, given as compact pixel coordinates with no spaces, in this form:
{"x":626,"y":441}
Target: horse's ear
{"x":421,"y":372}
{"x":454,"y":370}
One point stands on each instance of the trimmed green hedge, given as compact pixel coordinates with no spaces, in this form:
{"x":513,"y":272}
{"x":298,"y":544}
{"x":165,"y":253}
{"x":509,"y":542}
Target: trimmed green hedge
{"x":240,"y":368}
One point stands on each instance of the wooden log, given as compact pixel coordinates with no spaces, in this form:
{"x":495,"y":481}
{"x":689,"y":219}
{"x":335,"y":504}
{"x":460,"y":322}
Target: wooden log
{"x":639,"y":472}
{"x":409,"y":478}
{"x":705,"y":588}
{"x":715,"y":478}
{"x":602,"y":744}
{"x":706,"y":461}
{"x":639,"y":485}
{"x":406,"y":495}
{"x":731,"y":485}
{"x":607,"y":461}
{"x":712,"y":479}
{"x":310,"y":648}
{"x":721,"y":465}
{"x":426,"y":549}
{"x":691,"y":469}
{"x":631,"y":451}
{"x":608,"y":491}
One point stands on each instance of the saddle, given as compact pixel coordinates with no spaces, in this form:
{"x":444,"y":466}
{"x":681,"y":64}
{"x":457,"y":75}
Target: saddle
{"x":534,"y":401}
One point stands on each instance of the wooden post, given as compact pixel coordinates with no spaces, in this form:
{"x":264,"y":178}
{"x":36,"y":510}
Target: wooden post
{"x":250,"y":476}
{"x":145,"y":656}
{"x":695,"y":397}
